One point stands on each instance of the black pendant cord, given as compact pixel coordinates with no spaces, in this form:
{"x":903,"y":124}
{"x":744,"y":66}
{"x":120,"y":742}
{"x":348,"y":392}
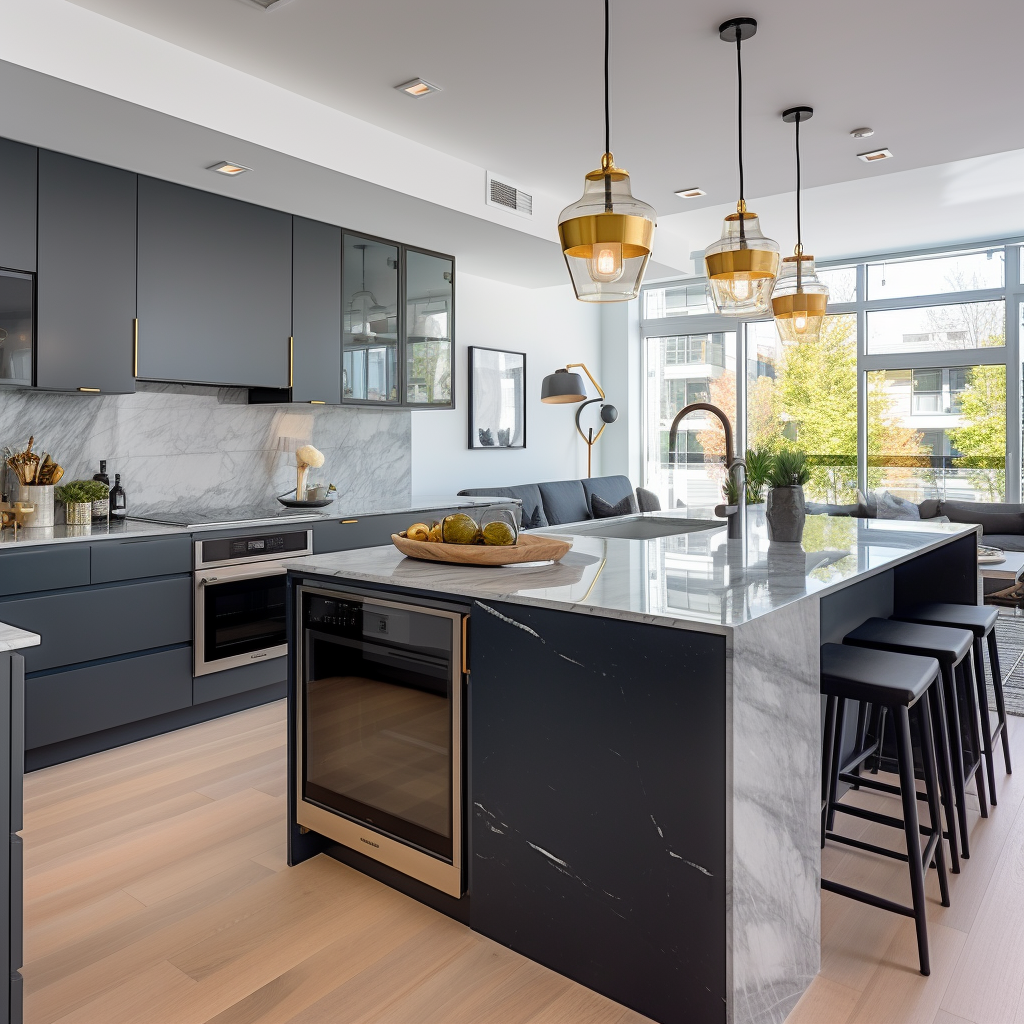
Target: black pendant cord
{"x":607,"y":111}
{"x":799,"y":232}
{"x":739,"y":132}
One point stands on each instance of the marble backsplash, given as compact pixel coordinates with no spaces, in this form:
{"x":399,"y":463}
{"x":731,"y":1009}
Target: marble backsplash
{"x":182,"y":447}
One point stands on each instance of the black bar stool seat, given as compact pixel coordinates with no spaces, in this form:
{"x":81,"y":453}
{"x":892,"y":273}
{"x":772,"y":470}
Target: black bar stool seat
{"x":951,"y":646}
{"x":981,"y":621}
{"x":897,"y":682}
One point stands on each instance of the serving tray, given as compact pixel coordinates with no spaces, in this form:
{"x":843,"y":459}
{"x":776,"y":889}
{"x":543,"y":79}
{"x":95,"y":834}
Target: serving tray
{"x":528,"y":549}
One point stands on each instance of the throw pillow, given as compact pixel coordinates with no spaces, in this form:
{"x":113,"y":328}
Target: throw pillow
{"x":990,"y":522}
{"x":647,"y":501}
{"x":533,"y":520}
{"x":605,"y":509}
{"x":867,"y":505}
{"x":891,"y":506}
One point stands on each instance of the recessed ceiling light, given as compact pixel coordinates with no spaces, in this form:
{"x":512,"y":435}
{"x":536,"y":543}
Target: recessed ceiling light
{"x":874,"y":156}
{"x":690,"y":193}
{"x":229,"y":168}
{"x":417,"y":87}
{"x":862,"y":133}
{"x":270,"y":5}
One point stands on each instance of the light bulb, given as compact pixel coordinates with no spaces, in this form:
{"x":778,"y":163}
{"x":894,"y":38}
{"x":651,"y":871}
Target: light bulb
{"x":606,"y":264}
{"x":799,"y":323}
{"x":741,"y":289}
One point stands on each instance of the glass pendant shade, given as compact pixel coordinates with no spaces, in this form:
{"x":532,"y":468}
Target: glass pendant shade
{"x":742,"y":266}
{"x":799,"y":301}
{"x":607,"y":237}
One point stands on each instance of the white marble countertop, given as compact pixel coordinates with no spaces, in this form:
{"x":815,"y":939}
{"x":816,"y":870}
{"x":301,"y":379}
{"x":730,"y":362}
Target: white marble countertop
{"x":12,"y":638}
{"x":61,"y":534}
{"x":698,"y":580}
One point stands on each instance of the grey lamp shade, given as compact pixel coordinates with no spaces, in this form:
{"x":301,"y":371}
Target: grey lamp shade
{"x":562,"y":386}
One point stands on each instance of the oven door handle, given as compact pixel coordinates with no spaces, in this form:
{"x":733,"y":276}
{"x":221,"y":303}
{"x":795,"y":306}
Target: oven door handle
{"x":251,"y":574}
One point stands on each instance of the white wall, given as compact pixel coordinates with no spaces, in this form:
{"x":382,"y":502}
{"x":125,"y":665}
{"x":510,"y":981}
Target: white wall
{"x":553,"y":329}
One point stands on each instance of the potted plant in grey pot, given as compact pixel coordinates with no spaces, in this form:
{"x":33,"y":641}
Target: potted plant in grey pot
{"x":759,"y":464}
{"x":786,"y":510}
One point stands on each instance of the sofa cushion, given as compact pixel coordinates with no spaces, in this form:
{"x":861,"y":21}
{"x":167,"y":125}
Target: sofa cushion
{"x":606,"y":510}
{"x":647,"y":501}
{"x":565,"y":501}
{"x":612,"y":488}
{"x":990,"y":516}
{"x":818,"y":508}
{"x":891,"y":506}
{"x":929,"y":508}
{"x":1006,"y":541}
{"x":533,"y":518}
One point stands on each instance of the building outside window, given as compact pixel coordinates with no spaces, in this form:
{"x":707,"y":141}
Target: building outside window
{"x":907,"y":389}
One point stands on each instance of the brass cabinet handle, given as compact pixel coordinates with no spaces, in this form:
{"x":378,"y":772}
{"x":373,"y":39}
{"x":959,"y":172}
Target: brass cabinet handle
{"x":313,"y":401}
{"x":291,"y":362}
{"x":465,"y":645}
{"x":349,"y":521}
{"x":135,"y":347}
{"x":90,"y":390}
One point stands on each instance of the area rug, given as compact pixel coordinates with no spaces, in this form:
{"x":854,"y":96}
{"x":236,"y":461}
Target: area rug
{"x":1010,"y":637}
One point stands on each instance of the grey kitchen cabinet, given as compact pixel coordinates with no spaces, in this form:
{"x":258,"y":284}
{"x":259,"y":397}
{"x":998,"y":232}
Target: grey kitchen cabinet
{"x":141,"y":557}
{"x":215,"y":288}
{"x":103,"y":622}
{"x":44,"y":568}
{"x":18,"y":210}
{"x":85,"y":285}
{"x":12,"y":728}
{"x":316,"y":312}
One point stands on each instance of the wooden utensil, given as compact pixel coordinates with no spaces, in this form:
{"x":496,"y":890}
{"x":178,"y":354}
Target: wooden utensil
{"x":529,"y":548}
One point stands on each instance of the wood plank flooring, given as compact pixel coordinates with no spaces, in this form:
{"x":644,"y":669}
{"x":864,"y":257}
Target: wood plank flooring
{"x":156,"y":892}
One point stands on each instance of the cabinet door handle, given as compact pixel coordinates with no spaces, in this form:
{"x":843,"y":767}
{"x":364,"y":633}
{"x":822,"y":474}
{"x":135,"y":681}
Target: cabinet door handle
{"x":91,"y":390}
{"x":135,"y":347}
{"x":313,"y":401}
{"x":465,"y":645}
{"x":291,"y":362}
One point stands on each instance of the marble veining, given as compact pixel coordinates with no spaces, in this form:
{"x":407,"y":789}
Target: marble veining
{"x":12,"y":638}
{"x":696,"y":580}
{"x":182,"y":447}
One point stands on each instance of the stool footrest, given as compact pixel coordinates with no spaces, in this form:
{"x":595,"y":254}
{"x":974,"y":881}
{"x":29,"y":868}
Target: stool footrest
{"x":866,"y":897}
{"x":875,"y":816}
{"x":859,"y":844}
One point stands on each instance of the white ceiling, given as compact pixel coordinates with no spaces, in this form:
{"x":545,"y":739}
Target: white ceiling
{"x":938,"y":80}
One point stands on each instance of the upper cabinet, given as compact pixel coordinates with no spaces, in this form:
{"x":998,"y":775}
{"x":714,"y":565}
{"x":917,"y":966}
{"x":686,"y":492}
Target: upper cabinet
{"x":85,"y":288}
{"x":316,"y":312}
{"x":215,"y":289}
{"x":397,"y":324}
{"x":18,"y":210}
{"x":429,"y":305}
{"x":370,"y":321}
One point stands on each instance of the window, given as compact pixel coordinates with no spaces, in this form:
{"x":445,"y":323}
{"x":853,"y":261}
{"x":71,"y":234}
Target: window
{"x":954,"y":327}
{"x":842,"y":283}
{"x":680,"y":370}
{"x":676,"y":300}
{"x":935,"y":275}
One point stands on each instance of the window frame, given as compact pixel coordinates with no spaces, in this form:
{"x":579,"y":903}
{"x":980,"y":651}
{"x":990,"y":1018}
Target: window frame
{"x":1008,"y":355}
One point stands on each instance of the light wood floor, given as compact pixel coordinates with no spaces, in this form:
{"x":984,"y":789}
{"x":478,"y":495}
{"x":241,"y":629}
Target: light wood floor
{"x":156,"y":892}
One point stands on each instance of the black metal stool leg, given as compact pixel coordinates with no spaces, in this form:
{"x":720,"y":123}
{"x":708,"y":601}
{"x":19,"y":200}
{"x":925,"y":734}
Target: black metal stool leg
{"x":956,"y":752}
{"x":941,"y":735}
{"x":925,"y":728}
{"x":977,"y":757}
{"x":864,"y":710}
{"x":912,"y":828}
{"x":837,"y":753}
{"x":997,"y":686}
{"x":986,"y":723}
{"x":828,"y":761}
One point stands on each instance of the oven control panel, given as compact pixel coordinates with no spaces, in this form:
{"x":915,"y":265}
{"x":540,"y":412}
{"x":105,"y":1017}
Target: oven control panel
{"x":253,"y":547}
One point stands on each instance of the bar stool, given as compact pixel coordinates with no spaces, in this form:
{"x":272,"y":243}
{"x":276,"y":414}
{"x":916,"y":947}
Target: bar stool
{"x":896,"y":682}
{"x":951,"y":647}
{"x":981,"y":621}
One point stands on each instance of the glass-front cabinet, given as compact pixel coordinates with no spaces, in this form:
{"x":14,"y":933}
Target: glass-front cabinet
{"x":397,"y":324}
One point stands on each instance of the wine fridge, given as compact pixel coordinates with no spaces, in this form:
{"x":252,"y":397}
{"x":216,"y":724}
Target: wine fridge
{"x":379,"y":687}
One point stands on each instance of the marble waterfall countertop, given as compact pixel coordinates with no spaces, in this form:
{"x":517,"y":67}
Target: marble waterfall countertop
{"x":696,"y":580}
{"x":12,"y":638}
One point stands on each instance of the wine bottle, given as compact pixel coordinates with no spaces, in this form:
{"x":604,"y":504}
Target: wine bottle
{"x":118,"y":501}
{"x":101,"y":508}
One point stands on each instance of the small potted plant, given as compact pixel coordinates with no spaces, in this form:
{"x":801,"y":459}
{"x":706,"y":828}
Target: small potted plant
{"x":786,"y":509}
{"x":759,"y":464}
{"x":78,"y":496}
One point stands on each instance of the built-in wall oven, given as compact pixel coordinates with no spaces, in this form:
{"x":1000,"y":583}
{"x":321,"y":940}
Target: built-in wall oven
{"x":239,"y":599}
{"x":379,"y":729}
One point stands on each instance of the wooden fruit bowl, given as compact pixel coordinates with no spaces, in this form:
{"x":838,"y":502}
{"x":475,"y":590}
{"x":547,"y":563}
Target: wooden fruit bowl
{"x":528,"y":549}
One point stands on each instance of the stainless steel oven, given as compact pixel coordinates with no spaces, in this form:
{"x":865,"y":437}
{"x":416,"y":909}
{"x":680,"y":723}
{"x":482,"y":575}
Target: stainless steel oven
{"x":379,"y":729}
{"x":239,"y":600}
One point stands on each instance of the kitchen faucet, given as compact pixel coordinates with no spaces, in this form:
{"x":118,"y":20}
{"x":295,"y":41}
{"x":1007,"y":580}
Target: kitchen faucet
{"x":734,"y":514}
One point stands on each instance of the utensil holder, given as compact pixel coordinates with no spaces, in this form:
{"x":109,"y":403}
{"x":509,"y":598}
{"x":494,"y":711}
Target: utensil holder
{"x":40,"y":495}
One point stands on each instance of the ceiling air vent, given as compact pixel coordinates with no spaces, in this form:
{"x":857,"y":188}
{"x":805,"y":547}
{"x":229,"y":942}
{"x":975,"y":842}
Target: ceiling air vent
{"x":506,"y":196}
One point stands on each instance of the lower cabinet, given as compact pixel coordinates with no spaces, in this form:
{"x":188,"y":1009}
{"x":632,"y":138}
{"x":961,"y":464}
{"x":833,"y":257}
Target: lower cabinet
{"x":72,"y":702}
{"x":233,"y":681}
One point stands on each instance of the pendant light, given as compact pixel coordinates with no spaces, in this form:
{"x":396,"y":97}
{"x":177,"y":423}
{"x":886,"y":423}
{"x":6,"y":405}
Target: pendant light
{"x":607,"y":234}
{"x":742,"y":265}
{"x":800,"y":299}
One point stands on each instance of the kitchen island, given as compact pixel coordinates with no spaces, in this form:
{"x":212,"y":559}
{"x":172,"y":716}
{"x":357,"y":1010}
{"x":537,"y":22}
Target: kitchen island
{"x":642,"y":784}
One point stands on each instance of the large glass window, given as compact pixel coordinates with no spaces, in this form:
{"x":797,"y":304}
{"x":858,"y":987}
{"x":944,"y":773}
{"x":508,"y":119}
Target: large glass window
{"x":962,"y":325}
{"x":935,"y":275}
{"x":679,"y":371}
{"x":676,"y":300}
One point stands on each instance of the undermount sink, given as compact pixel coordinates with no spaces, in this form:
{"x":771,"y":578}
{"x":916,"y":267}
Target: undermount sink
{"x":641,"y":527}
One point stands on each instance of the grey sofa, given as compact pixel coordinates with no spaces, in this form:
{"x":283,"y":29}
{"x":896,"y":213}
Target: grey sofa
{"x":1002,"y":524}
{"x":561,"y":501}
